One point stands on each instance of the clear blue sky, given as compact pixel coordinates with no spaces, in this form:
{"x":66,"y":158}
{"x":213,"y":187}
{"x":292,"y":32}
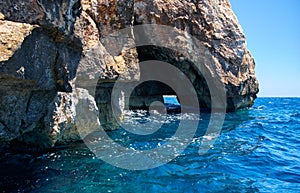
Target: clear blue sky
{"x":272,"y":29}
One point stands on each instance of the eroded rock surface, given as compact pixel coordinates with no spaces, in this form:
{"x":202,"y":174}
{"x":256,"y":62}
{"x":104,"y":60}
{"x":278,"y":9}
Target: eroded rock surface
{"x":55,"y":54}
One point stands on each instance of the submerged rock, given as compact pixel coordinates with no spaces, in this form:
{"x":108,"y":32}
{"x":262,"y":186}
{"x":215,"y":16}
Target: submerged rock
{"x":50,"y":48}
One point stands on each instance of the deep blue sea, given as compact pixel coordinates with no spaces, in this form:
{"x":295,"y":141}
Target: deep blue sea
{"x":258,"y":150}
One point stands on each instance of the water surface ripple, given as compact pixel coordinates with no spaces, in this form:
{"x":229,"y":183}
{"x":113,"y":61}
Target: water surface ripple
{"x":257,"y":151}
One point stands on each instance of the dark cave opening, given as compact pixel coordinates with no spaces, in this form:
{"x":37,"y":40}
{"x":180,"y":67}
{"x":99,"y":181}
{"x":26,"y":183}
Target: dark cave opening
{"x":148,"y":96}
{"x":146,"y":53}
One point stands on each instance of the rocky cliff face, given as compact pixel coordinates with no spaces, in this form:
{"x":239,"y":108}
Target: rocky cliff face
{"x":50,"y":50}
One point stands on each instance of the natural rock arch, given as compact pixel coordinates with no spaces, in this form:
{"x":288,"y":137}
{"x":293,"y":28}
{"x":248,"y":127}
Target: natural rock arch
{"x":74,"y":29}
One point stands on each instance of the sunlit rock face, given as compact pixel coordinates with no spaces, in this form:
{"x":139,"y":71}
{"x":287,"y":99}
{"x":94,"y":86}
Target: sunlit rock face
{"x":54,"y":55}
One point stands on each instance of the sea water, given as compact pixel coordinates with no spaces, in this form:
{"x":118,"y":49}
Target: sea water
{"x":258,"y":150}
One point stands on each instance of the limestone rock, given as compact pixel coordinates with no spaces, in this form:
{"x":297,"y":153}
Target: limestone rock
{"x":12,"y":36}
{"x":58,"y":17}
{"x":55,"y":54}
{"x":100,"y":19}
{"x":216,"y":26}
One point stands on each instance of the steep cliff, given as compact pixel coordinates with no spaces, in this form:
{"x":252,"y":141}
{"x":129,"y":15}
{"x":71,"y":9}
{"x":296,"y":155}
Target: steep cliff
{"x":51,"y":50}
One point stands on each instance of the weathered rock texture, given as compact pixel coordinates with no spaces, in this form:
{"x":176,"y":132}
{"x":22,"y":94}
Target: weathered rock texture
{"x":48,"y":46}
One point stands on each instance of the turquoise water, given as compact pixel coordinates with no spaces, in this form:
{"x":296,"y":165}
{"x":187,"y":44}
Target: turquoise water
{"x":258,"y":150}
